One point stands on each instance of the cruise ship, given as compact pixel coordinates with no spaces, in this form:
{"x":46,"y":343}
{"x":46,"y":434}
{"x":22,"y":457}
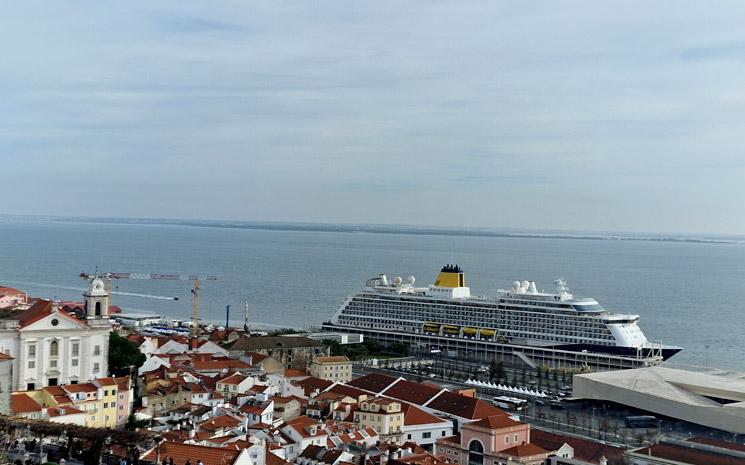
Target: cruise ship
{"x":520,"y":316}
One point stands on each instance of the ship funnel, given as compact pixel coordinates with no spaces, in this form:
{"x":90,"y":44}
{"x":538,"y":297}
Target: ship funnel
{"x":532,"y":288}
{"x":451,"y":276}
{"x":383,"y":279}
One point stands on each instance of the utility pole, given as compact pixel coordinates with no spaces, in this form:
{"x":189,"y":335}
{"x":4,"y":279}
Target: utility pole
{"x":245,"y":319}
{"x":195,"y":291}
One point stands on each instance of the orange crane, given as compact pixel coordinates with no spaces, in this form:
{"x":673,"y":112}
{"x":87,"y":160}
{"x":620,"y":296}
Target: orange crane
{"x":196,"y":279}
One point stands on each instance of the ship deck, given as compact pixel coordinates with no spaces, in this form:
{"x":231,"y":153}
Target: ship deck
{"x":486,"y":351}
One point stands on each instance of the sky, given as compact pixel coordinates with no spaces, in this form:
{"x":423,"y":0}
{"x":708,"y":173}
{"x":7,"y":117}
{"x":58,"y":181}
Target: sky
{"x":604,"y":116}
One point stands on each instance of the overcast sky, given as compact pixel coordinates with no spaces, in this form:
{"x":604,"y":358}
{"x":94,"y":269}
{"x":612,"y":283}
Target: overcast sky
{"x":561,"y":115}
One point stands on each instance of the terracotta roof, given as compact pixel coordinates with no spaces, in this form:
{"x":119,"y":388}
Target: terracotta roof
{"x":331,"y":359}
{"x":39,"y":310}
{"x":234,"y":379}
{"x":220,"y":421}
{"x":373,"y":382}
{"x":717,"y":443}
{"x":463,"y":406}
{"x":123,"y":382}
{"x":272,"y":459}
{"x":107,"y":381}
{"x":524,"y":450}
{"x":302,"y":423}
{"x":350,"y":391}
{"x":4,"y":290}
{"x":183,"y":452}
{"x":4,"y":356}
{"x":584,"y":449}
{"x":23,"y":403}
{"x":495,"y":422}
{"x":311,"y":384}
{"x":256,"y":357}
{"x":416,"y":393}
{"x":416,"y":416}
{"x":294,"y":373}
{"x":82,"y":387}
{"x":688,"y":455}
{"x":59,"y":411}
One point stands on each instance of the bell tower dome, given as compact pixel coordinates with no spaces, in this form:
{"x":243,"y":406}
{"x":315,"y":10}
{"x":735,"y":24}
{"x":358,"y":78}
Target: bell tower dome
{"x":96,"y":300}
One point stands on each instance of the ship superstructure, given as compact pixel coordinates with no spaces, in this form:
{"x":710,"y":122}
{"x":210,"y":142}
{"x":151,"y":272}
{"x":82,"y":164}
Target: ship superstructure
{"x":520,"y":316}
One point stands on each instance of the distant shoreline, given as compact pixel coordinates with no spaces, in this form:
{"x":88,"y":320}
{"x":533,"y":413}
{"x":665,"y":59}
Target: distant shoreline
{"x":384,"y":229}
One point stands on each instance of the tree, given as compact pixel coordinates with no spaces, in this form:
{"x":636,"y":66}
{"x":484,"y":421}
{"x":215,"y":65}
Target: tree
{"x":400,"y":348}
{"x":124,"y":356}
{"x":496,"y":371}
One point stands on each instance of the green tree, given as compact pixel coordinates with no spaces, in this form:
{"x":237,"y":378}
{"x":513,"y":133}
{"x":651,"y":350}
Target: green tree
{"x":496,"y":371}
{"x":124,"y":356}
{"x":400,"y":348}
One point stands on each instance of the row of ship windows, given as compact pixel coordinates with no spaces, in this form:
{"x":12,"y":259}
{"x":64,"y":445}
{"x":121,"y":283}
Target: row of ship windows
{"x":457,"y":317}
{"x":426,"y":307}
{"x":554,"y":333}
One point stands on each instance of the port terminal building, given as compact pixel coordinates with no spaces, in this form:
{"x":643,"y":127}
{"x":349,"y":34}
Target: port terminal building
{"x":711,"y":398}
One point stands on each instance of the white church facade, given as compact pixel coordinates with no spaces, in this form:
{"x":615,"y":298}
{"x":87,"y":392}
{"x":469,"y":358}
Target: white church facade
{"x":50,"y":346}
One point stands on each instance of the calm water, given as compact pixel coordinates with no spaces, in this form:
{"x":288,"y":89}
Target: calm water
{"x":688,"y":294}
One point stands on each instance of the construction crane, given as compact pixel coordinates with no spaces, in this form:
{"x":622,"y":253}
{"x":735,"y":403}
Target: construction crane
{"x":196,"y":280}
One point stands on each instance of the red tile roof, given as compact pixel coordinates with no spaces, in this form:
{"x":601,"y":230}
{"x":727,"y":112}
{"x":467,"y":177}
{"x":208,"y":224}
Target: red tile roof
{"x":312,"y":384}
{"x":373,"y":382}
{"x":82,"y":387}
{"x":59,"y":411}
{"x":23,"y":403}
{"x":416,"y":393}
{"x":107,"y":381}
{"x":495,"y":422}
{"x":524,"y":450}
{"x":416,"y":416}
{"x":463,"y":406}
{"x":183,"y":452}
{"x":4,"y":356}
{"x":234,"y":379}
{"x":584,"y":449}
{"x":688,"y":455}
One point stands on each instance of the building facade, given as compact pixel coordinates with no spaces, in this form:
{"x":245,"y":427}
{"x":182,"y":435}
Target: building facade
{"x":333,"y":368}
{"x":51,"y":346}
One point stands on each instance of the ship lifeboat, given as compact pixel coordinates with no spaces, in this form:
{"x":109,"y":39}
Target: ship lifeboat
{"x":487,"y":333}
{"x":451,"y":329}
{"x":470,"y":332}
{"x":431,"y":328}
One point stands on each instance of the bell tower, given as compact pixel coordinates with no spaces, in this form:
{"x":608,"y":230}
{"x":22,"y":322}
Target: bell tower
{"x":96,"y":304}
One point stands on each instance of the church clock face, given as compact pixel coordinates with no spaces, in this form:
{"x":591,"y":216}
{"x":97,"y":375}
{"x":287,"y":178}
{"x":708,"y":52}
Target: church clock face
{"x":55,"y":322}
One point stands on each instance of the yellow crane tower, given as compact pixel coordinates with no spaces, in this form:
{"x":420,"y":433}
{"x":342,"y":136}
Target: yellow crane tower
{"x":195,"y":279}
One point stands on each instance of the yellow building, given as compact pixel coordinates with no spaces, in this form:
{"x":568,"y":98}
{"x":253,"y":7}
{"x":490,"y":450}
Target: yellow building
{"x":334,"y":368}
{"x":97,"y":399}
{"x":383,"y":415}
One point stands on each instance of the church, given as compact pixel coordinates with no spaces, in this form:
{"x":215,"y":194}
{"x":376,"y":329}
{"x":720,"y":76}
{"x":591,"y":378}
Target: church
{"x":52,"y":346}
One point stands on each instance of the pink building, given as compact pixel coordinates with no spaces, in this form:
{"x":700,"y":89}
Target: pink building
{"x":125,"y":400}
{"x":494,"y":440}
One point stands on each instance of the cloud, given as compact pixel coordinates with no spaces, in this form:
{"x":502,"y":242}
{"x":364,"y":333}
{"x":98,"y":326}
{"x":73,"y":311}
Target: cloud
{"x":264,"y":112}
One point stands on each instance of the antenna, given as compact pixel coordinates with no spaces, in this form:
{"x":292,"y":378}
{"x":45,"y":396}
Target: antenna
{"x":245,"y":319}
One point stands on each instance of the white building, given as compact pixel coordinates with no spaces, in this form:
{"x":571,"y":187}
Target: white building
{"x":51,"y":346}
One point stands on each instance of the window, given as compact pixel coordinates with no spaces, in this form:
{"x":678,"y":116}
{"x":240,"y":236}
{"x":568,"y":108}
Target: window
{"x":53,"y":363}
{"x":475,"y":453}
{"x":75,"y":349}
{"x":31,"y":364}
{"x":96,"y":367}
{"x":506,"y":439}
{"x":443,"y":434}
{"x":516,"y":438}
{"x":52,"y":381}
{"x":427,"y":435}
{"x":30,"y":386}
{"x":32,"y":350}
{"x":96,"y":350}
{"x":74,"y":362}
{"x":54,"y":348}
